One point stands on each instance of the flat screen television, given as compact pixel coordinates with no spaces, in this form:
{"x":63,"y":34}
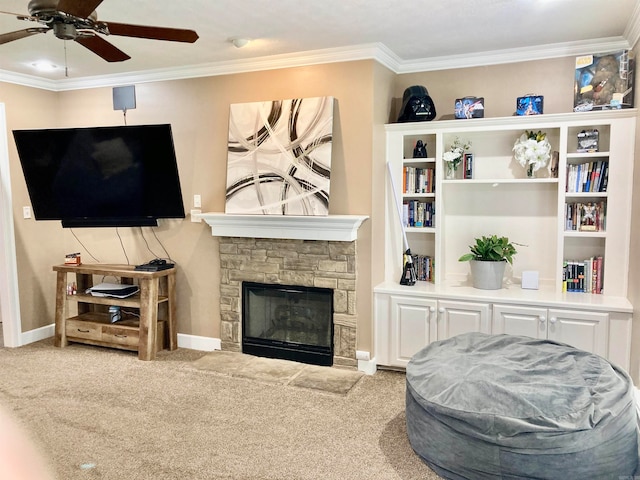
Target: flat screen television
{"x":101,"y":176}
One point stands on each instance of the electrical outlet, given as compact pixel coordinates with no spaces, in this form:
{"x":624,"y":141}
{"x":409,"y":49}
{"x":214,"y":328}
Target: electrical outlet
{"x":197,"y":201}
{"x":195,"y":215}
{"x":26,"y":212}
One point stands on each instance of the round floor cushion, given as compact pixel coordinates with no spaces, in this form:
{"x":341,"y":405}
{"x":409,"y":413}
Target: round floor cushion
{"x":501,"y":406}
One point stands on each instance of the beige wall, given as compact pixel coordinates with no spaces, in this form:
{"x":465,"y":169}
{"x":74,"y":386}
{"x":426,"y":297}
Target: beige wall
{"x":500,"y":85}
{"x":198,"y":112}
{"x":368,"y":95}
{"x":36,"y":244}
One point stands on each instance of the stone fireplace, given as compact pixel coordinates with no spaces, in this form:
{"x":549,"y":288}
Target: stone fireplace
{"x":307,"y":263}
{"x":318,"y":252}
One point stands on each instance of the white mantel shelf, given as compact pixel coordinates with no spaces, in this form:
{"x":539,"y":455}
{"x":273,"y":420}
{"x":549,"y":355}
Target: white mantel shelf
{"x":337,"y":228}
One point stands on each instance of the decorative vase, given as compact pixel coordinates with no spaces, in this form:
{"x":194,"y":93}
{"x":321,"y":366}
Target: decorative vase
{"x":449,"y":171}
{"x":487,"y":275}
{"x":530,"y":171}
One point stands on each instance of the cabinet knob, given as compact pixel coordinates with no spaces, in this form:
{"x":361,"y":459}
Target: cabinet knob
{"x":441,"y":309}
{"x":542,"y":318}
{"x":553,"y":319}
{"x":432,"y":309}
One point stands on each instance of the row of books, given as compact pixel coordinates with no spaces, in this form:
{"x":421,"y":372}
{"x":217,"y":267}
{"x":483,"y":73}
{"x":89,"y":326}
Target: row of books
{"x":418,"y":214}
{"x":588,"y":177}
{"x":583,"y":276}
{"x":424,"y":266}
{"x":418,"y":180}
{"x":585,"y":217}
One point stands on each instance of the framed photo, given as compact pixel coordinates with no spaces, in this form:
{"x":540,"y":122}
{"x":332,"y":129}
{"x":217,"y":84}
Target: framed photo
{"x":530,"y":105}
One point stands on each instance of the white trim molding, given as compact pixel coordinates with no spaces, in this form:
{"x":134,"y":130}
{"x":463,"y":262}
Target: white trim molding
{"x":340,"y":228}
{"x":195,"y":342}
{"x":372,"y":51}
{"x":9,"y":297}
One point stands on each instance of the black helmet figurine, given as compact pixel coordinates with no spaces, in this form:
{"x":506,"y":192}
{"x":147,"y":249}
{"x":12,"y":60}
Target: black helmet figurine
{"x":417,"y":105}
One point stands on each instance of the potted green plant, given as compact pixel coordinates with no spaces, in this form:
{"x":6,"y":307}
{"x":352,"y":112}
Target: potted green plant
{"x":488,"y":259}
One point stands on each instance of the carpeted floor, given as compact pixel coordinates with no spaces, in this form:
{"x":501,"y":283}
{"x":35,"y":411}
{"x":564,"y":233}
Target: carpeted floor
{"x":102,"y":414}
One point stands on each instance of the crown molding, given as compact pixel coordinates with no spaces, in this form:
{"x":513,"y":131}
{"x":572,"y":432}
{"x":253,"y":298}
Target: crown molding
{"x":632,"y":32}
{"x":374,"y":51}
{"x":27,"y":80}
{"x":515,"y":55}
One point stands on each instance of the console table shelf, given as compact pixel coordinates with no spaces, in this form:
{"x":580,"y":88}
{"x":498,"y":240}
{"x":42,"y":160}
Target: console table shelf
{"x":92,"y":324}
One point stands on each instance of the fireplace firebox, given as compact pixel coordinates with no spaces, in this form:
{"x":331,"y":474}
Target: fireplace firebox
{"x":288,"y":322}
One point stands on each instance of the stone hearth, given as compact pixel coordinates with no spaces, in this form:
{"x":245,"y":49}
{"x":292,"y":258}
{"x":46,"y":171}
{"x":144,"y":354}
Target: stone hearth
{"x":311,"y":263}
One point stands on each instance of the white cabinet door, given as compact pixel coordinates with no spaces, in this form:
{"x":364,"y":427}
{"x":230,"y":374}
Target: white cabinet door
{"x":413,"y":326}
{"x":456,"y":317}
{"x":584,"y":330}
{"x":516,"y":320}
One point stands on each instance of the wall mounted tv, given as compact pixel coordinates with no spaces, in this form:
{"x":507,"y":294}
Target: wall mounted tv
{"x":101,"y":176}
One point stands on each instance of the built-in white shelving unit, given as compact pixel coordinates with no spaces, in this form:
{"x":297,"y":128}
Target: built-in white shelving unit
{"x":500,"y":199}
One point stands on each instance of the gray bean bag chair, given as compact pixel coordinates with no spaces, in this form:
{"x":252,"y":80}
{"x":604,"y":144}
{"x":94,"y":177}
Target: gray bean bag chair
{"x":500,"y":406}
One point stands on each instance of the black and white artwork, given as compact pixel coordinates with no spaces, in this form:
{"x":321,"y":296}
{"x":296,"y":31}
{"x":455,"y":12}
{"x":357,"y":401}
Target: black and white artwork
{"x":279,"y":157}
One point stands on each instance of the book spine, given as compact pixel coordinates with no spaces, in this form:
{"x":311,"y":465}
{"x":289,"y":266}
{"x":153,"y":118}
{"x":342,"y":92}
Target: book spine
{"x":468,"y":165}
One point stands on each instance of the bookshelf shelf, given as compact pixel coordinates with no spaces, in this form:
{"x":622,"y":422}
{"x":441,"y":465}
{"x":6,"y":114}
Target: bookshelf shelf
{"x":587,"y":155}
{"x":420,"y":230}
{"x":577,"y":234}
{"x":418,"y":195}
{"x":418,"y":161}
{"x":499,"y":199}
{"x":586,"y":195}
{"x":499,"y":181}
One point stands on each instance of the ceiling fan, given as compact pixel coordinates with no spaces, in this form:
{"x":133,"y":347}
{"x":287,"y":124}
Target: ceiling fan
{"x":77,"y":20}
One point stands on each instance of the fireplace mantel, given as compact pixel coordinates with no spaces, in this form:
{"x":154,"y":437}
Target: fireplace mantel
{"x":341,"y":228}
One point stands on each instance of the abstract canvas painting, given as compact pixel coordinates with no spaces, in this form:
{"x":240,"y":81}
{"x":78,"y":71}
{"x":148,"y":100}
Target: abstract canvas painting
{"x":279,"y":157}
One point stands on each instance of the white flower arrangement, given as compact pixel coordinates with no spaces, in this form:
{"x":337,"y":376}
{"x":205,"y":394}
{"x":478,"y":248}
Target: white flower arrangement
{"x":454,"y":155}
{"x":532,"y":150}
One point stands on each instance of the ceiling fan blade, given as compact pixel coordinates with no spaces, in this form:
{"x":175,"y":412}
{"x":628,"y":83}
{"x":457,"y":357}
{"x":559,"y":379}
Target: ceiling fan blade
{"x":153,"y":33}
{"x":11,"y":36}
{"x":78,"y":8}
{"x":13,"y":14}
{"x":102,"y":48}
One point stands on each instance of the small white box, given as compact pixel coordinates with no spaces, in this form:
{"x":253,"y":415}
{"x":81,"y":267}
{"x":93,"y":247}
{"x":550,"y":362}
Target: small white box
{"x":530,"y":279}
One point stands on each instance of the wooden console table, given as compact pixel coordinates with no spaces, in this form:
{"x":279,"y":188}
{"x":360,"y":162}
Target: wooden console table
{"x":92,"y":325}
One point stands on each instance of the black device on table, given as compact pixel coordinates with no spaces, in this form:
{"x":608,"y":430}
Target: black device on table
{"x":155,"y":265}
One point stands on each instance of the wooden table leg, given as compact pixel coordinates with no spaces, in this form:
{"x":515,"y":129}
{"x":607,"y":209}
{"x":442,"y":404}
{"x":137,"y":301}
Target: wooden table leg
{"x":60,"y":338}
{"x":171,"y":312}
{"x":148,"y":318}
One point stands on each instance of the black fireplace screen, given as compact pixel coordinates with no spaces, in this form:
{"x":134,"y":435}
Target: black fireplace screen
{"x":288,"y":322}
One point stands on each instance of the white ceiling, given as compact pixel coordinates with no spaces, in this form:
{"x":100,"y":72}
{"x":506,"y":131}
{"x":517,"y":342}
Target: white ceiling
{"x":405,"y":35}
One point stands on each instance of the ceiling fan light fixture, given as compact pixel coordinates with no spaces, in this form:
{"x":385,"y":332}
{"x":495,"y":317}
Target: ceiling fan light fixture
{"x":44,"y":66}
{"x":240,"y":42}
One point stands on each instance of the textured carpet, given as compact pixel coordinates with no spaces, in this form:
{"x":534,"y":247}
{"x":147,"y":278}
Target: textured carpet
{"x":99,"y":413}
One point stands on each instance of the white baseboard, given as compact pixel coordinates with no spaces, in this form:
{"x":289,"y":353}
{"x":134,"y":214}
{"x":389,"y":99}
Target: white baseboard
{"x":369,"y":367}
{"x":192,"y":342}
{"x":37,"y":334}
{"x":195,"y":342}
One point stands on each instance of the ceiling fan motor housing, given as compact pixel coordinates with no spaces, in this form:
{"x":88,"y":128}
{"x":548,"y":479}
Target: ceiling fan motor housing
{"x":65,"y":31}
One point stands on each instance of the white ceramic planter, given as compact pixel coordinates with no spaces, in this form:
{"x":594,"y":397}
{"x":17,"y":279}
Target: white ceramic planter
{"x":487,"y":275}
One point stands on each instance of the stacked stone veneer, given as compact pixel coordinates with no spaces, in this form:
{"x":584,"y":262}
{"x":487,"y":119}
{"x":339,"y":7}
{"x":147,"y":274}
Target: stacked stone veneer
{"x":308,"y":263}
